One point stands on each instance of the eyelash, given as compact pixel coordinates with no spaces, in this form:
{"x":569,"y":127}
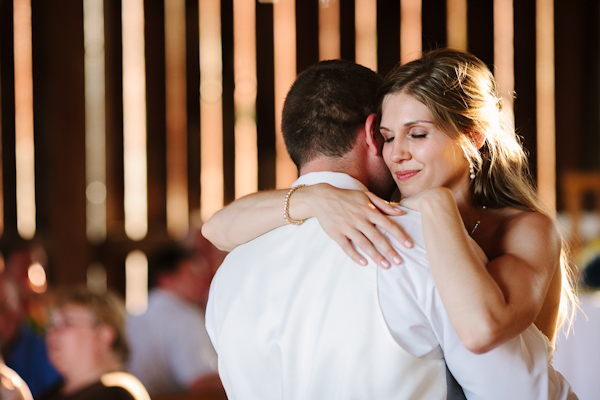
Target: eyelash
{"x":411,"y":135}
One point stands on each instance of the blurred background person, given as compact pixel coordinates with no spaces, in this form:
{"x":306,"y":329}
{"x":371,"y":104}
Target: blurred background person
{"x":25,"y":263}
{"x":87,"y":344}
{"x":170,"y":348}
{"x":23,"y":349}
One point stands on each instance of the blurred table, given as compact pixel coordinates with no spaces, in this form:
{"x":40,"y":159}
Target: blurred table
{"x":577,"y":357}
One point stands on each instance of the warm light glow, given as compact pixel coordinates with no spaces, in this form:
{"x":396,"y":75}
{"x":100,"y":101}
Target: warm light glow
{"x":365,"y":20}
{"x":504,"y":53}
{"x":16,"y":387}
{"x":136,"y":282}
{"x":127,"y":381}
{"x":96,"y":279}
{"x":95,"y":127}
{"x":456,"y":24}
{"x":134,"y":120}
{"x":410,"y":30}
{"x":546,"y":129}
{"x":37,"y":278}
{"x":284,"y":42}
{"x":176,"y":115}
{"x":329,"y":29}
{"x":96,"y":193}
{"x":211,"y":108}
{"x":244,"y":97}
{"x":24,"y":143}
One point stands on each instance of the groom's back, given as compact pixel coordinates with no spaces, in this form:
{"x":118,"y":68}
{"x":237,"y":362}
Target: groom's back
{"x":295,"y":318}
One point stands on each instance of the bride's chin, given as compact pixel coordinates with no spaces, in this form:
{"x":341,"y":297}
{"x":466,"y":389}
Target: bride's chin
{"x":406,"y":191}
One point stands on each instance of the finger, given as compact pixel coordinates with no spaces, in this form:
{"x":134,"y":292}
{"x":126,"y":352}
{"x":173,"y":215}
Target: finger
{"x":392,"y":228}
{"x":371,"y":240}
{"x":369,"y":249}
{"x":354,"y":239}
{"x":350,"y":251}
{"x":394,"y":257}
{"x":397,"y":232}
{"x":384,"y":206}
{"x":375,"y":238}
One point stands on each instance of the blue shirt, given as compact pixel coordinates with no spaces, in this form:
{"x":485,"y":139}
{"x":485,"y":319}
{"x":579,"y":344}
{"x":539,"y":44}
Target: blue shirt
{"x":28,"y":358}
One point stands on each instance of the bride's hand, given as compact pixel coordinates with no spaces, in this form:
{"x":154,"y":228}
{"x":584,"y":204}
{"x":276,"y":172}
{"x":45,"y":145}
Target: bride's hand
{"x":439,"y":196}
{"x":435,"y":195}
{"x":351,"y":218}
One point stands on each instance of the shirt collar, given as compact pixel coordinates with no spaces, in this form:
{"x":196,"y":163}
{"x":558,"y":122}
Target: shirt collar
{"x":337,"y":179}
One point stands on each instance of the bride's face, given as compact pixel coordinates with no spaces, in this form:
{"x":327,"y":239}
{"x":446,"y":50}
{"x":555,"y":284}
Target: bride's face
{"x":418,"y":154}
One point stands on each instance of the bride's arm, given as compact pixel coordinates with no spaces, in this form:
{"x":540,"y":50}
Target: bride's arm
{"x":249,"y":217}
{"x":347,"y":216}
{"x":489,"y":303}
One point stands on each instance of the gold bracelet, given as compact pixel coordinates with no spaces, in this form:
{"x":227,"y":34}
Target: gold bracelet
{"x":286,"y":207}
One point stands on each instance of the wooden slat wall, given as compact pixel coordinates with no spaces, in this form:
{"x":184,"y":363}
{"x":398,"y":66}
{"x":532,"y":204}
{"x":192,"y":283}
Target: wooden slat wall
{"x":58,"y":74}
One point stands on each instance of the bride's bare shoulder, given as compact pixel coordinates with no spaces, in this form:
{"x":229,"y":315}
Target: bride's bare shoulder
{"x":521,"y":224}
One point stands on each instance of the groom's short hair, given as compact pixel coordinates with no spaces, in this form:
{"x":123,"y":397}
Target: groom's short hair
{"x":325,"y":107}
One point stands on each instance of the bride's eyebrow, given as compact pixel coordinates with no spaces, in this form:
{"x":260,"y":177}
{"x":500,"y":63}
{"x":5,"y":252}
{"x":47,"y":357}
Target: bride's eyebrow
{"x":409,"y":123}
{"x":418,"y":121}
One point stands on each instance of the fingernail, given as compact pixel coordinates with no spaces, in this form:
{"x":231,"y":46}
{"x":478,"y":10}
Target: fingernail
{"x":363,"y":262}
{"x":408,"y":244}
{"x":385,"y":264}
{"x":397,"y":260}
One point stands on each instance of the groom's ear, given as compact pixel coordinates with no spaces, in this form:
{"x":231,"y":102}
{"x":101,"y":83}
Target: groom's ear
{"x":373,"y":137}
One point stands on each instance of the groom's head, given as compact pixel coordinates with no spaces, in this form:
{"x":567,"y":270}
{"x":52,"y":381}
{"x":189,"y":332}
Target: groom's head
{"x":325,"y":108}
{"x":329,"y":123}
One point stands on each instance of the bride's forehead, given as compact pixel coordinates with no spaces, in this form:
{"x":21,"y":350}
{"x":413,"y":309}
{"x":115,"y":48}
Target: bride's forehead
{"x":404,"y":107}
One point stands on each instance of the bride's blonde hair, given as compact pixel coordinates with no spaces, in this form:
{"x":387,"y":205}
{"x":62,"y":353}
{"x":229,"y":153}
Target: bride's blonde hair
{"x":460,"y":91}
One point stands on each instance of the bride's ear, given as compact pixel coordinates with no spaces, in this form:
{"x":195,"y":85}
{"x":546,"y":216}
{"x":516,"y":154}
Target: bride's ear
{"x":477,"y":138}
{"x":373,"y":137}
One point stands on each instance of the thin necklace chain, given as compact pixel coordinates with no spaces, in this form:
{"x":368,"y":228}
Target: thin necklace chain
{"x":477,"y":223}
{"x":475,"y":227}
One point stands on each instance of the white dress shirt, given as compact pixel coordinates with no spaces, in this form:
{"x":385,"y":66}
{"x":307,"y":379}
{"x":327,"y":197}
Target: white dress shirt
{"x":292,"y":317}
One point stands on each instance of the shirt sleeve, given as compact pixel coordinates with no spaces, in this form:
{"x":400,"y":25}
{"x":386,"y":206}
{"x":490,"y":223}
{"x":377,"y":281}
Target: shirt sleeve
{"x":403,"y":302}
{"x":210,"y":316}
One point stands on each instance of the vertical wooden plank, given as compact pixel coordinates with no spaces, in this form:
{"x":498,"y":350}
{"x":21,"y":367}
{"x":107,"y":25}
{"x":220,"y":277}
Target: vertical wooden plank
{"x":284,"y":45}
{"x":546,"y":128}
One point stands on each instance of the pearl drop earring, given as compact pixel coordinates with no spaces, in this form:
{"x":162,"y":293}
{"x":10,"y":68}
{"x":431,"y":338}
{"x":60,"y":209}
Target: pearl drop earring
{"x":471,"y":171}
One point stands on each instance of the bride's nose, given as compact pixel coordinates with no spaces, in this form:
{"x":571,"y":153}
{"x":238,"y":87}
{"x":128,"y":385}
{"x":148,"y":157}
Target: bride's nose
{"x":400,"y":151}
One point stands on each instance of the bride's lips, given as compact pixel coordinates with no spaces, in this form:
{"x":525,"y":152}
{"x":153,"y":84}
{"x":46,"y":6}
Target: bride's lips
{"x":405,"y":175}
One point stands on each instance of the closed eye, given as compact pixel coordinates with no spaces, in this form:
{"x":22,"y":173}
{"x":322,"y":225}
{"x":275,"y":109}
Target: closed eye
{"x":417,"y":133}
